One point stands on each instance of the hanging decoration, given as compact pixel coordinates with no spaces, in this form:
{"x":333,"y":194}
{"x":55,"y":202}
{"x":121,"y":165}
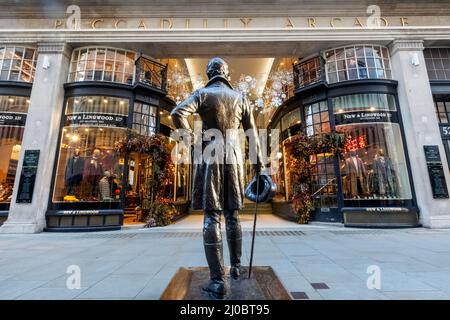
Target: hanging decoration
{"x":178,"y":80}
{"x":276,"y":90}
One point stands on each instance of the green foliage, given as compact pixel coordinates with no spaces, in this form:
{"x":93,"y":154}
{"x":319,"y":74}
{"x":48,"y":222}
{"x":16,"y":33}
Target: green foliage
{"x":159,"y":210}
{"x":160,"y":213}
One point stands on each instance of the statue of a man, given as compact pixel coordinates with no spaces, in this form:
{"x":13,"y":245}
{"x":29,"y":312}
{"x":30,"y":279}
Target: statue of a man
{"x":219,"y":185}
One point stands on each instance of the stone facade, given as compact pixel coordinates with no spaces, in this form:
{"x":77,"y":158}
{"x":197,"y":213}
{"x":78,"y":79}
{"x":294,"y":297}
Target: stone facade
{"x":270,"y":31}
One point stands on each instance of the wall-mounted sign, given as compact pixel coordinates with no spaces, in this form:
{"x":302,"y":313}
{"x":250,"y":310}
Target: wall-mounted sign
{"x":365,"y":116}
{"x":436,"y":172}
{"x":445,"y":131}
{"x":13,"y":119}
{"x":28,"y":176}
{"x":95,"y":120}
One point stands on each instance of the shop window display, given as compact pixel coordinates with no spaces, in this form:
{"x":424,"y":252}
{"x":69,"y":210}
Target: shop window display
{"x":373,"y":164}
{"x":88,"y":168}
{"x":13,"y":112}
{"x":144,"y":118}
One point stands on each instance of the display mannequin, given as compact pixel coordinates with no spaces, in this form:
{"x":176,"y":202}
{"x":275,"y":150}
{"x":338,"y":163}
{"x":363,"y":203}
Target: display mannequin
{"x":356,"y":174}
{"x":74,"y":172}
{"x":93,"y":172}
{"x":105,"y":186}
{"x":384,"y":175}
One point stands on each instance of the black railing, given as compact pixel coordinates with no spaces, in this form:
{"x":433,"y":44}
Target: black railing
{"x":151,"y":73}
{"x":308,"y":72}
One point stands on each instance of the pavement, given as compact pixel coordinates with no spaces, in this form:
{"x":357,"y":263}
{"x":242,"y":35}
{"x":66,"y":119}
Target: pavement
{"x":316,"y":261}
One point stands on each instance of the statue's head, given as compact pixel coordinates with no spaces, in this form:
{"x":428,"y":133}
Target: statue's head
{"x":217,"y":67}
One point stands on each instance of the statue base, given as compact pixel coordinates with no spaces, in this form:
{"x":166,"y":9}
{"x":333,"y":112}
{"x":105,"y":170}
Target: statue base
{"x":187,"y":284}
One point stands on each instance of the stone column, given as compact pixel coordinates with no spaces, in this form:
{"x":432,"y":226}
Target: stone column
{"x":421,"y":127}
{"x":41,"y":133}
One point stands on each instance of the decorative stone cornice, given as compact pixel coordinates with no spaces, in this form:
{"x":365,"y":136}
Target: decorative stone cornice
{"x":406,"y":45}
{"x":55,"y":48}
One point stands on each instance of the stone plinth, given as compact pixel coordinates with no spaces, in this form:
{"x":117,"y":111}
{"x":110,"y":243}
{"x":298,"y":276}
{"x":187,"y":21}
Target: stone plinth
{"x":264,"y":284}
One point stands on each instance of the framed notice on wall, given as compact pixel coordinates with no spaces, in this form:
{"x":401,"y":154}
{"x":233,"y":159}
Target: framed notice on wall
{"x":28,"y":176}
{"x":436,"y":172}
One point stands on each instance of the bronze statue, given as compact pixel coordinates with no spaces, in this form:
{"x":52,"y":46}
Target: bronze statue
{"x":219,"y":187}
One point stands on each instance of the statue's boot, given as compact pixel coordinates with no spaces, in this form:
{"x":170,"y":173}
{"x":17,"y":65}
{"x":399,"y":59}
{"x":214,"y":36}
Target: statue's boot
{"x":234,"y":239}
{"x":212,"y":241}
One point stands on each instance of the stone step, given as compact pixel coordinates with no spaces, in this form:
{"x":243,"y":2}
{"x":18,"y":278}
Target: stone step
{"x":263,"y":208}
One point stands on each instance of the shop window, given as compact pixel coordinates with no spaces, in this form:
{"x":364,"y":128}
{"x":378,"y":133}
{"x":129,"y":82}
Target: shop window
{"x":166,"y":124}
{"x":278,"y":177}
{"x":88,"y":168}
{"x":151,"y":73}
{"x":437,"y":61}
{"x":291,"y":119}
{"x":13,"y":114}
{"x":323,"y":181}
{"x":442,"y":105}
{"x":17,"y":63}
{"x":317,"y":120}
{"x":102,"y":64}
{"x":357,"y":62}
{"x":144,"y":118}
{"x":308,"y":72}
{"x":373,"y":164}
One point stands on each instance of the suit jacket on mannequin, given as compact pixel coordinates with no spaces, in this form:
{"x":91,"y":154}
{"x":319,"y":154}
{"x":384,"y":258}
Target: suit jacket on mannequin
{"x":93,"y":171}
{"x":356,"y":173}
{"x":74,"y":171}
{"x":384,"y":176}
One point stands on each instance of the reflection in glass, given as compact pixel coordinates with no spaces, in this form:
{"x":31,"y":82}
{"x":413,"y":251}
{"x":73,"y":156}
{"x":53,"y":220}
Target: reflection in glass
{"x":359,"y":62}
{"x":102,"y":64}
{"x":17,"y":63}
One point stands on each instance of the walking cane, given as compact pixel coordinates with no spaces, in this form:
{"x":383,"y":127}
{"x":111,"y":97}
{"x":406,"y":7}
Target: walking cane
{"x":254,"y":227}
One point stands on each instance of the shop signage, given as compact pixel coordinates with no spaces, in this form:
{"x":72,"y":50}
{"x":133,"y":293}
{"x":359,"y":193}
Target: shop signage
{"x":445,"y":131}
{"x":80,"y":212}
{"x":28,"y":176}
{"x":13,"y":119}
{"x":365,"y":117}
{"x":95,"y":120}
{"x":436,"y":172}
{"x":168,"y":23}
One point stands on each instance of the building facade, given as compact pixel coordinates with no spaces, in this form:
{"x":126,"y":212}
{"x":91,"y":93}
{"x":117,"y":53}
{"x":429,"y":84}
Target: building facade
{"x":75,"y":79}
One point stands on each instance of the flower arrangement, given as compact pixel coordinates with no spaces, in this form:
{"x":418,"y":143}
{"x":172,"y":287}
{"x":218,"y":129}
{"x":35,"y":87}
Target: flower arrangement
{"x":160,"y":209}
{"x":300,"y":150}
